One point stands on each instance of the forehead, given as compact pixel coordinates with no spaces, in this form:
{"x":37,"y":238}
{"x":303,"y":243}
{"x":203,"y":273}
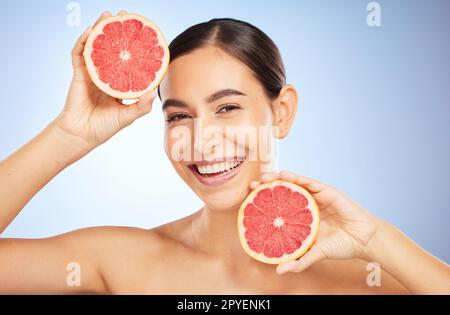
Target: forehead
{"x":196,"y":75}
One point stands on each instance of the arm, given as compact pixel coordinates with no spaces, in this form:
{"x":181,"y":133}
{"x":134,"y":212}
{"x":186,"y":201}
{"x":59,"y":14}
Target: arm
{"x":89,"y":118}
{"x":29,"y":266}
{"x":39,"y":266}
{"x":31,"y":167}
{"x":90,"y":260}
{"x":412,"y":266}
{"x":349,"y":231}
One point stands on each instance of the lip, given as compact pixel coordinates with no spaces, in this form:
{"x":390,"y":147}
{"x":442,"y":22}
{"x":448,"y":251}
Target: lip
{"x":218,"y":179}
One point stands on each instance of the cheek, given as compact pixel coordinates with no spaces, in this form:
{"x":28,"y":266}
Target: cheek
{"x":254,"y":132}
{"x":168,"y":142}
{"x":178,"y":143}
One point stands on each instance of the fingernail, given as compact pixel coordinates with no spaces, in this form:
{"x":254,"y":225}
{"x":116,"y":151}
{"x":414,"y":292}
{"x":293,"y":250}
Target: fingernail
{"x":288,"y":175}
{"x":280,"y":270}
{"x":286,"y":266}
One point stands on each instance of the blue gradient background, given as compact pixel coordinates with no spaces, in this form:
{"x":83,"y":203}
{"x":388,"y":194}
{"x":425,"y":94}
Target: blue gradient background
{"x":373,"y":113}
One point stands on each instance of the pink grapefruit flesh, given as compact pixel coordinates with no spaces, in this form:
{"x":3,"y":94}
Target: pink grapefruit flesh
{"x":126,"y":56}
{"x":278,"y":222}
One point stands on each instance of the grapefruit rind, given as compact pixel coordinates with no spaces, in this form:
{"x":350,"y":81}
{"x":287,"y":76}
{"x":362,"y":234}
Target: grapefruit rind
{"x":91,"y":69}
{"x":306,"y":244}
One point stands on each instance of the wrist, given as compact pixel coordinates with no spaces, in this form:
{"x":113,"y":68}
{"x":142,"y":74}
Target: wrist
{"x":376,"y":243}
{"x":68,"y":145}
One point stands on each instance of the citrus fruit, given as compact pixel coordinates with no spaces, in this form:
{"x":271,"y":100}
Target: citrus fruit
{"x":278,"y":222}
{"x":126,"y":56}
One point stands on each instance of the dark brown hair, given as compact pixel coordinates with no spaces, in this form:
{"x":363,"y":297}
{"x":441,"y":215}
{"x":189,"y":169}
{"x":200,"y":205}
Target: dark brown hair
{"x":241,"y":40}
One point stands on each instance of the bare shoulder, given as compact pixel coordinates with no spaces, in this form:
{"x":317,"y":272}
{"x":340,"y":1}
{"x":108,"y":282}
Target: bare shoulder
{"x":112,"y":245}
{"x":106,"y":239}
{"x":356,"y":276}
{"x":142,"y":259}
{"x":131,"y":240}
{"x":136,"y":241}
{"x":124,"y":256}
{"x":102,"y":254}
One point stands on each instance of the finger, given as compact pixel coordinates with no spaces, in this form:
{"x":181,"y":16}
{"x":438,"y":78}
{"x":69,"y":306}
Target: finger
{"x":312,"y":256}
{"x":146,"y":101}
{"x":142,"y":107}
{"x":269,"y":177}
{"x":77,"y":51}
{"x":310,"y":184}
{"x":123,"y":12}
{"x":102,"y":16}
{"x":254,"y":184}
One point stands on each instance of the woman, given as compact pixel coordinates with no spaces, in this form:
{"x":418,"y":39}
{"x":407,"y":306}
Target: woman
{"x":222,"y":73}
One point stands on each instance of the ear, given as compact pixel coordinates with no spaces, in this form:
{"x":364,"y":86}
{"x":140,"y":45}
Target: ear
{"x":284,"y":110}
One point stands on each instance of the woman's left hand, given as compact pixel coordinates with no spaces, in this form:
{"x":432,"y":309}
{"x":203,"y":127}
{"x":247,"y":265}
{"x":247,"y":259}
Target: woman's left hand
{"x":345,"y":227}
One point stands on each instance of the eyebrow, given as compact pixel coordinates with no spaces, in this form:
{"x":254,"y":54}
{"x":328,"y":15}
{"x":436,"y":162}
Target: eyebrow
{"x":214,"y":97}
{"x":173,"y":103}
{"x":222,"y":93}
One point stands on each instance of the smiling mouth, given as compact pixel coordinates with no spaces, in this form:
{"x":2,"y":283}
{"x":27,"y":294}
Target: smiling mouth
{"x":215,"y":173}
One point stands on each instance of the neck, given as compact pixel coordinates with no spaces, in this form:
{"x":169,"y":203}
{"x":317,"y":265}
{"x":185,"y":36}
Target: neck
{"x":216,"y":233}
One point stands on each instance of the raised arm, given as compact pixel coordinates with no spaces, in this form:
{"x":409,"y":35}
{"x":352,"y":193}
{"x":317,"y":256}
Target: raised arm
{"x":88,"y":119}
{"x":31,"y":167}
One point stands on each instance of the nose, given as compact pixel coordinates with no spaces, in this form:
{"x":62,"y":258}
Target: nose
{"x":209,"y":139}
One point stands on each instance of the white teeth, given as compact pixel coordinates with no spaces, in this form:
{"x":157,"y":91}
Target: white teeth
{"x":217,"y":167}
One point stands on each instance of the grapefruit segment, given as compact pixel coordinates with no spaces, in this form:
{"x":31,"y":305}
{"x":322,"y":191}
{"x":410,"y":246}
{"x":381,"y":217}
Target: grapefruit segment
{"x":126,"y":56}
{"x":278,"y":222}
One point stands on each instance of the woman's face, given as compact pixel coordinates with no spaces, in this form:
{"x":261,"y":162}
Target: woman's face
{"x":217,"y":115}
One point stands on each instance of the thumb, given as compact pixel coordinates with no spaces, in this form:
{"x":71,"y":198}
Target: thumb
{"x":77,"y":53}
{"x":312,"y":256}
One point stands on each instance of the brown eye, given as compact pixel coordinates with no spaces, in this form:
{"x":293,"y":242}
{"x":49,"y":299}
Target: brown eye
{"x":177,"y":117}
{"x":228,"y":108}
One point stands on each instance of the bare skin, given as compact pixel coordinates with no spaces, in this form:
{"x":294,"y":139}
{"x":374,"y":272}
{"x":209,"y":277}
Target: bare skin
{"x":200,"y":253}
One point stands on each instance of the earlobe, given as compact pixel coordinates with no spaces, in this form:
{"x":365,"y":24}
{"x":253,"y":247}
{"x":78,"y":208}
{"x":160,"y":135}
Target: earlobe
{"x":285,"y":108}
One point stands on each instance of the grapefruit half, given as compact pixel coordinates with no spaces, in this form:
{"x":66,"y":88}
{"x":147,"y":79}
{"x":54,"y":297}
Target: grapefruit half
{"x":278,"y":222}
{"x":126,"y":56}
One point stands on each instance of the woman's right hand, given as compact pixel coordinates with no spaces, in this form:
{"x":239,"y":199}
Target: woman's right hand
{"x":89,"y":115}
